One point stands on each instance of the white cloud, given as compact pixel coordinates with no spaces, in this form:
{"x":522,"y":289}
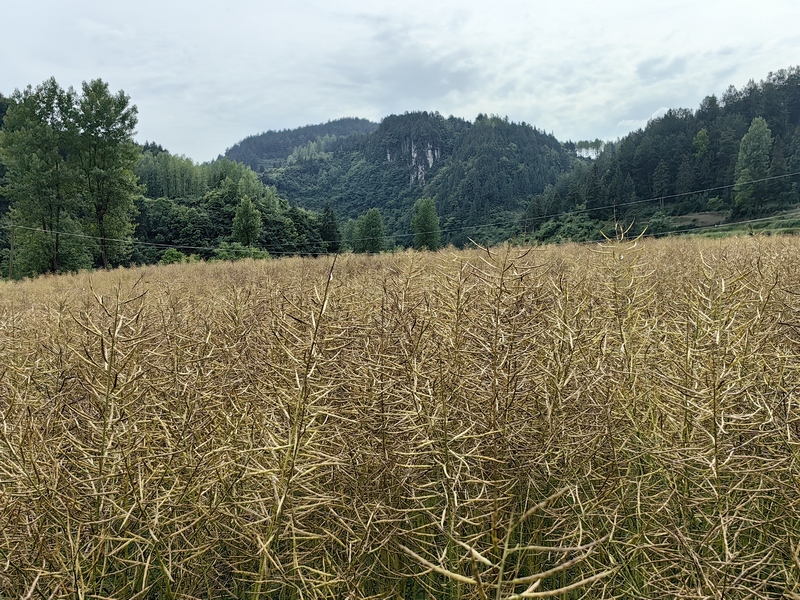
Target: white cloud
{"x":205,"y":74}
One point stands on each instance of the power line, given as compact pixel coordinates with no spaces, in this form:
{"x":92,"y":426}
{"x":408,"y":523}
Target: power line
{"x":620,"y":205}
{"x":136,"y":242}
{"x":594,"y":208}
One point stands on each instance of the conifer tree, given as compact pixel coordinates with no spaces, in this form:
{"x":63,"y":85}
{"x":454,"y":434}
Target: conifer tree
{"x":370,"y":233}
{"x":247,"y":222}
{"x":329,"y":230}
{"x":751,"y":168}
{"x":425,"y":224}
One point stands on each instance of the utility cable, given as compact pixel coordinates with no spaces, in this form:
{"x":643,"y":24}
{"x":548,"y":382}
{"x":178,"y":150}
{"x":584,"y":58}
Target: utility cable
{"x":542,"y":218}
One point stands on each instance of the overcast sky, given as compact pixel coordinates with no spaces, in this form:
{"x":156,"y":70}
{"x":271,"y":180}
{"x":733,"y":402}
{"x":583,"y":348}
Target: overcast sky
{"x":206,"y":74}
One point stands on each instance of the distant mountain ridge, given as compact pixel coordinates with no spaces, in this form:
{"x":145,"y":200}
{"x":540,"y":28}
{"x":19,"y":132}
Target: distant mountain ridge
{"x":272,"y":148}
{"x":480,"y":171}
{"x":493,"y":179}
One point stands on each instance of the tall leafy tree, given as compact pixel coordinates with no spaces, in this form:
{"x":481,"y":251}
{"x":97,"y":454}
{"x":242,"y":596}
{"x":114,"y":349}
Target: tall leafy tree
{"x":70,"y":175}
{"x":42,"y":182}
{"x":246,"y":222}
{"x":106,"y":156}
{"x":425,"y":223}
{"x":701,"y":143}
{"x":752,"y":167}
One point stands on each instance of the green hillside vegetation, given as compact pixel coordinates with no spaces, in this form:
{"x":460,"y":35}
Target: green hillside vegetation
{"x":272,"y":148}
{"x":194,"y":207}
{"x":79,"y":193}
{"x":476,"y":172}
{"x":686,"y":162}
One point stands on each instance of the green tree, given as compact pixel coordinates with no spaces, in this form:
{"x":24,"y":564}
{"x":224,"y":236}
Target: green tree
{"x":105,"y":156}
{"x":594,"y":195}
{"x":247,"y":222}
{"x":574,"y":197}
{"x":70,"y":175}
{"x":172,"y":256}
{"x":236,"y":251}
{"x":744,"y":202}
{"x":41,"y":182}
{"x":306,"y":227}
{"x":751,"y":168}
{"x":684,"y":182}
{"x":370,"y":233}
{"x":661,"y":180}
{"x":349,"y":234}
{"x":658,"y":223}
{"x":425,"y":223}
{"x":329,"y":230}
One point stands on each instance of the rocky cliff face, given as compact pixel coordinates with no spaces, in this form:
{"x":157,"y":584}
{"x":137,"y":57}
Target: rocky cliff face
{"x":414,"y":139}
{"x":419,"y":156}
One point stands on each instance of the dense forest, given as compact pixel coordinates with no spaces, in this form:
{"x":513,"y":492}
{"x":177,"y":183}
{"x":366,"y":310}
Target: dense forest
{"x":272,"y":148}
{"x":736,"y":157}
{"x":492,"y":179}
{"x":78,"y":192}
{"x":480,"y":172}
{"x":194,"y":207}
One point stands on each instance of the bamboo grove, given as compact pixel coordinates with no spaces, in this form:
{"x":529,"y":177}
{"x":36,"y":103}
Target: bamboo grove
{"x":607,"y":421}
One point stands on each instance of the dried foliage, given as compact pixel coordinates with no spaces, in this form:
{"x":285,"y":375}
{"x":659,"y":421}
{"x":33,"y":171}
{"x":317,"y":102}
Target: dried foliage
{"x":613,"y":421}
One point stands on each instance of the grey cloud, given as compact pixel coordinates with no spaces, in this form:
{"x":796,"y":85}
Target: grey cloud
{"x":414,"y":79}
{"x":656,"y":69}
{"x":390,"y":68}
{"x":205,"y":77}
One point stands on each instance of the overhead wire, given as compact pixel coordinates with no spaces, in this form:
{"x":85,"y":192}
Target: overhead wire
{"x":540,"y":218}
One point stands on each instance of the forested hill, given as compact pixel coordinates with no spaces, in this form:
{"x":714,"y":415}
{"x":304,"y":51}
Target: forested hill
{"x":478,"y":173}
{"x":492,"y":179}
{"x":731,"y":159}
{"x":273,"y":147}
{"x":734,"y":159}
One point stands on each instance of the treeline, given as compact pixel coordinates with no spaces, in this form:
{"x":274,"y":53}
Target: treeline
{"x":715,"y":158}
{"x":194,"y":208}
{"x":68,"y":178}
{"x":79,"y":193}
{"x":272,"y":148}
{"x":223,"y":210}
{"x":476,"y":173}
